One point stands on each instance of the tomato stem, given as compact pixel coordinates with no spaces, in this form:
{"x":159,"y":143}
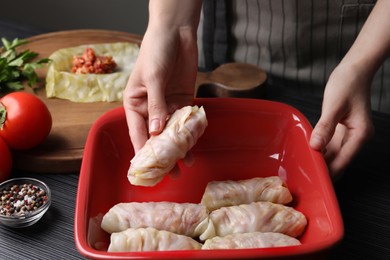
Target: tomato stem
{"x":3,"y":115}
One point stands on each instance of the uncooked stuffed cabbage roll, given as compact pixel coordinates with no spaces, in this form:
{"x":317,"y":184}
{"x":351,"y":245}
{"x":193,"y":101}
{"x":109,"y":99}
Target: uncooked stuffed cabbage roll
{"x":250,"y":240}
{"x":181,"y":218}
{"x":150,"y":239}
{"x":230,"y":193}
{"x":160,"y":153}
{"x":258,"y":217}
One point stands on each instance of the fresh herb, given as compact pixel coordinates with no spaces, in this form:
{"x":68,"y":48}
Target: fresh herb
{"x":16,"y":67}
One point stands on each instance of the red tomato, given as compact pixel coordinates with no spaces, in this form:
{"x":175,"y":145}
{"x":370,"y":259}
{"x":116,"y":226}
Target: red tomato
{"x":5,"y":161}
{"x":27,"y":122}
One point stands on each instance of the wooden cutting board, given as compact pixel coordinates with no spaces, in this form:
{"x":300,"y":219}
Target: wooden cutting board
{"x":62,"y":151}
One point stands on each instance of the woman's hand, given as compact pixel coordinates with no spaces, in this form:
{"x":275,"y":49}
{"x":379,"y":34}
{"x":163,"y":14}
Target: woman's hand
{"x":164,"y":75}
{"x":345,"y":124}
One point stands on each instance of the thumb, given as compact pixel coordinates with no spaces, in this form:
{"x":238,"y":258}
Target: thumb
{"x":323,"y":132}
{"x":157,"y":110}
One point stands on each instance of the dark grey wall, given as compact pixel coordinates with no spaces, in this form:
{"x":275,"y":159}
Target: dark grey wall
{"x":55,"y":15}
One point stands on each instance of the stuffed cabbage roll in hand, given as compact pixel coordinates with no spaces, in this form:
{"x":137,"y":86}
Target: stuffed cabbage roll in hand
{"x":181,"y":218}
{"x":160,"y":153}
{"x":258,"y":217}
{"x":230,"y":193}
{"x":150,"y":239}
{"x":250,"y":240}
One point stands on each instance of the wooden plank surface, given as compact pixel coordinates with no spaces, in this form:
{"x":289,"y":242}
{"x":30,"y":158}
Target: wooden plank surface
{"x":62,"y":151}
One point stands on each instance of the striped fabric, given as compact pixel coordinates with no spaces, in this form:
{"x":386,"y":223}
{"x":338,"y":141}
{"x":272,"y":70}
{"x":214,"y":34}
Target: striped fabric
{"x":297,"y":42}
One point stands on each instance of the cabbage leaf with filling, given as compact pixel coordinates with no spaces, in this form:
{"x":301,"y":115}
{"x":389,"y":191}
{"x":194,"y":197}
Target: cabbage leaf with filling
{"x":62,"y":83}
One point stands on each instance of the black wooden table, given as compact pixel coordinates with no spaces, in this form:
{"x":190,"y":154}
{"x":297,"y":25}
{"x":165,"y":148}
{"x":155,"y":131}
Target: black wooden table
{"x":363,"y":194}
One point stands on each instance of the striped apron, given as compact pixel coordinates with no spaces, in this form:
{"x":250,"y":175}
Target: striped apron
{"x":297,"y":42}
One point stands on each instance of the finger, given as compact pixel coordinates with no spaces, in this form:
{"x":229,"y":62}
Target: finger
{"x":137,"y":129}
{"x":322,"y":134}
{"x":334,"y":146}
{"x":175,"y":172}
{"x":350,"y":145}
{"x":157,"y":109}
{"x":332,"y":150}
{"x":325,"y":128}
{"x":188,"y":160}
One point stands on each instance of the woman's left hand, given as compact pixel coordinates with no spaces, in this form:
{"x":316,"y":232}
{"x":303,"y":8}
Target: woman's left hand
{"x":345,"y":124}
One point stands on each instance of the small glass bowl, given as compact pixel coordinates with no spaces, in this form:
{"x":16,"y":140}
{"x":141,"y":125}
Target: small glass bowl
{"x":28,"y":218}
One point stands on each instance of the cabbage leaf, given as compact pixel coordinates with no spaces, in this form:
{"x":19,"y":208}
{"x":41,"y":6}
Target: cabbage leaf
{"x":62,"y":83}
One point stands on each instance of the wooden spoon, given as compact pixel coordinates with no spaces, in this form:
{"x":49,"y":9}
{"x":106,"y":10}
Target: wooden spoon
{"x":232,"y":80}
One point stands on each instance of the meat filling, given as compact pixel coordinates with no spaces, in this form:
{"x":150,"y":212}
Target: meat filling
{"x":89,"y":63}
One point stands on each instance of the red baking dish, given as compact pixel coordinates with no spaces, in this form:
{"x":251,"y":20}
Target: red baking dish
{"x":245,"y":138}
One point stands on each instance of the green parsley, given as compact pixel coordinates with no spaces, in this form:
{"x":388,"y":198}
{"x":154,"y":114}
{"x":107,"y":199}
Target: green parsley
{"x":16,"y":67}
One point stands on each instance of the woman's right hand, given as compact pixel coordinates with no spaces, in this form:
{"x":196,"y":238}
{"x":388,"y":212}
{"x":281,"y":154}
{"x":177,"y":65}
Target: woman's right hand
{"x":164,"y":75}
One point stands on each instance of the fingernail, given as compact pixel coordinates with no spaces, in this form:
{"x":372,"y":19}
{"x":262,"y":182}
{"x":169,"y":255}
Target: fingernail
{"x":154,"y":126}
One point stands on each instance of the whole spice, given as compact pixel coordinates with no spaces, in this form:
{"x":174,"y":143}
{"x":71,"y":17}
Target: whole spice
{"x":20,"y":200}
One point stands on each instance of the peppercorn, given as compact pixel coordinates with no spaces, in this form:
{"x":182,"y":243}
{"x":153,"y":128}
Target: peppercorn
{"x":20,"y":200}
